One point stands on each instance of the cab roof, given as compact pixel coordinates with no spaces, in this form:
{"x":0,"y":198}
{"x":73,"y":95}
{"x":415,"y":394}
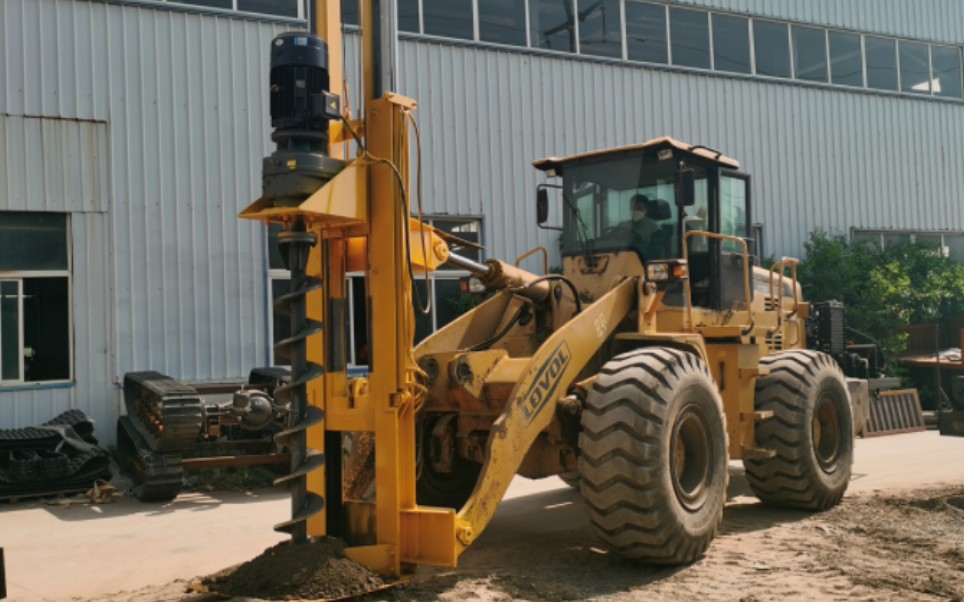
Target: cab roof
{"x":700,"y":151}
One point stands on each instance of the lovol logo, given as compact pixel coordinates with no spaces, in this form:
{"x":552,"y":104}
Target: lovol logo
{"x":546,"y":382}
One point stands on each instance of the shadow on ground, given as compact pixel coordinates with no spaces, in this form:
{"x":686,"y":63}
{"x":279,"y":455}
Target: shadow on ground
{"x":185,"y":502}
{"x":542,"y":547}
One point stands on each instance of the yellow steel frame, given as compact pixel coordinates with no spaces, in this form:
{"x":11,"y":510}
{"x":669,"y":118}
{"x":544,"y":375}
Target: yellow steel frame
{"x":531,"y":405}
{"x":362,"y":219}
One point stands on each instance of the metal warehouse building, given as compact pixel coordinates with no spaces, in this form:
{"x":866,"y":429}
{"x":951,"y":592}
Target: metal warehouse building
{"x":132,"y":132}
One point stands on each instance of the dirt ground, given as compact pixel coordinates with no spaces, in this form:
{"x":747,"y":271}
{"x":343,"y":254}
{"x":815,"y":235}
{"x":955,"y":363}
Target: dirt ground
{"x":899,"y":535}
{"x":873,"y":547}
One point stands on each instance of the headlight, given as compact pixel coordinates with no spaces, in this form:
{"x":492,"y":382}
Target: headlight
{"x":666,"y":271}
{"x":657,"y":272}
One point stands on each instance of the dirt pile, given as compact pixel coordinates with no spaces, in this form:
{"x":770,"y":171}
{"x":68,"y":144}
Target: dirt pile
{"x":315,"y":570}
{"x":909,"y":543}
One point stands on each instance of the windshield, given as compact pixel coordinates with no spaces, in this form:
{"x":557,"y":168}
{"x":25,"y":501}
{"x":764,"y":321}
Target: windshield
{"x":628,"y":202}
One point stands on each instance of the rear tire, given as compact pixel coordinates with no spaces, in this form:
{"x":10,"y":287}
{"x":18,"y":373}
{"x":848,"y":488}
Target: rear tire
{"x":811,"y":432}
{"x":653,"y":456}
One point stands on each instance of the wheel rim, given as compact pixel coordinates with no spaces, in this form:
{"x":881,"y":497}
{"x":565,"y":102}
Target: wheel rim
{"x":690,"y":460}
{"x":826,"y":433}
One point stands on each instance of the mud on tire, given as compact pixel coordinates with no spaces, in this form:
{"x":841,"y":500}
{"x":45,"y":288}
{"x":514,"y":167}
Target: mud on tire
{"x":811,"y":432}
{"x":653,"y":456}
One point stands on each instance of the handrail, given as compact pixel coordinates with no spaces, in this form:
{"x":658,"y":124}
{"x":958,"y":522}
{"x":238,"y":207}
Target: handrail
{"x":746,"y":274}
{"x":782,"y":265}
{"x":528,"y":254}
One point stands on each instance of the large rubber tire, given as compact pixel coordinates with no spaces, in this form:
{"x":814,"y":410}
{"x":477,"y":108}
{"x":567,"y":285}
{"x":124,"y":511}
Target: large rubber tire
{"x":447,"y":490}
{"x":811,"y":432}
{"x":570,"y":478}
{"x":653,"y":456}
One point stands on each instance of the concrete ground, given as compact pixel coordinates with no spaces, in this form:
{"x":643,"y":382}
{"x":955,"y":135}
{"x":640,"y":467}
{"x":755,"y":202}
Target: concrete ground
{"x":81,"y":551}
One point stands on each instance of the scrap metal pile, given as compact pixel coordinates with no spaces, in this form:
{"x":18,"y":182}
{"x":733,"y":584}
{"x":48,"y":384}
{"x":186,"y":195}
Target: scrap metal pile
{"x":56,"y":457}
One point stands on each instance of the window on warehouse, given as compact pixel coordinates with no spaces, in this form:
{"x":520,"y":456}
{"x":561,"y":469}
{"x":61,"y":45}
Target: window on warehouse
{"x":35,"y":327}
{"x":946,"y":62}
{"x":281,"y":8}
{"x":646,"y":32}
{"x":445,"y":286}
{"x":881,"y":58}
{"x":947,"y":243}
{"x":731,"y":44}
{"x":444,"y":289}
{"x":771,"y":42}
{"x":450,"y":18}
{"x":915,"y":67}
{"x":503,"y":22}
{"x":689,"y":34}
{"x":809,"y":53}
{"x":551,"y":25}
{"x":846,"y":59}
{"x":600,"y":28}
{"x":408,"y":19}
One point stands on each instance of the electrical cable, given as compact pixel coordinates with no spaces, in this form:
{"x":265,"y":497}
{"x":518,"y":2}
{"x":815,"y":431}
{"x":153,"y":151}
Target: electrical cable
{"x":416,"y":376}
{"x":427,"y":308}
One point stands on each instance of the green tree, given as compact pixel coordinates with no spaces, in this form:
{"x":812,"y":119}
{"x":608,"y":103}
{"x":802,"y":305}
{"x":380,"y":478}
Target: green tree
{"x":883,"y":290}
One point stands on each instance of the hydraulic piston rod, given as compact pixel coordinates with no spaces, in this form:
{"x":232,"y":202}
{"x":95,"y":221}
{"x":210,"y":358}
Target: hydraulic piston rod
{"x":498,"y":275}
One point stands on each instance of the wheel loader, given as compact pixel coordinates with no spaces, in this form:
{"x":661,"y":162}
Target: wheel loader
{"x":661,"y":352}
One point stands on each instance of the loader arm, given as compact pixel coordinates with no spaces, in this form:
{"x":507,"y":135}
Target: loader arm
{"x":532,"y":403}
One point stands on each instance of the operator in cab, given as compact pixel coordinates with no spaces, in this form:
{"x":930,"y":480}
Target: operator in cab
{"x":641,"y":224}
{"x":642,"y":230}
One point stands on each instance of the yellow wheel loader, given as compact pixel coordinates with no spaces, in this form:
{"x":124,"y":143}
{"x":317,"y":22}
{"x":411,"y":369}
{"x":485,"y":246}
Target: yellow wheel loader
{"x":657,"y":355}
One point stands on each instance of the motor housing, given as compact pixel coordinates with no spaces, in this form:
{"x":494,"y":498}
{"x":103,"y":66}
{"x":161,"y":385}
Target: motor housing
{"x":299,"y":91}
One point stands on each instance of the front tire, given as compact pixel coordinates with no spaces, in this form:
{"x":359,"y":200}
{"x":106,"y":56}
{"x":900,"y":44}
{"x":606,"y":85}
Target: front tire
{"x":653,"y":456}
{"x":811,"y":432}
{"x":570,"y":478}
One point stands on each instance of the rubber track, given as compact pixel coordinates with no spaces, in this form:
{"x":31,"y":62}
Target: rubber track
{"x":620,"y":463}
{"x":157,"y":476}
{"x":182,"y":420}
{"x":790,"y":478}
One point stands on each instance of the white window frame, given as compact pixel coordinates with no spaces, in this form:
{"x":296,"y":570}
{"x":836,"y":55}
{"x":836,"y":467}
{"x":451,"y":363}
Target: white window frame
{"x":19,"y":276}
{"x":913,"y":234}
{"x":752,"y":20}
{"x":444,"y":274}
{"x":351,"y":363}
{"x":19,"y":296}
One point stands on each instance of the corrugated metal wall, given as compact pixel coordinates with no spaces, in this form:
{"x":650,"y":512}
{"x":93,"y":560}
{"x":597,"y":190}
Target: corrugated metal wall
{"x":53,"y":164}
{"x":168,"y":279}
{"x":56,"y":164}
{"x":821,"y":157}
{"x":933,"y":20}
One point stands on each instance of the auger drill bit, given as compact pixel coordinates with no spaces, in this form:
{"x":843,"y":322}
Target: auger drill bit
{"x":304,"y":504}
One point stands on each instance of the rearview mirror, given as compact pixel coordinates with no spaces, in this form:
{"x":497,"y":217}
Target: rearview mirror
{"x":542,"y":206}
{"x":687,"y":188}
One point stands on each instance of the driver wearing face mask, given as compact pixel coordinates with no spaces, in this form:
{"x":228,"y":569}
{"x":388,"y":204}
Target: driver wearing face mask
{"x":641,"y":226}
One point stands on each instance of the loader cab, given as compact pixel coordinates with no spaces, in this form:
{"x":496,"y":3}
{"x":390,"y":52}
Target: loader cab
{"x":642,"y":200}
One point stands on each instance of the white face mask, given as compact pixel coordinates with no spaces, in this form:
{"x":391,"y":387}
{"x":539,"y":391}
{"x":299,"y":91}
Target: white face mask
{"x":638,"y":214}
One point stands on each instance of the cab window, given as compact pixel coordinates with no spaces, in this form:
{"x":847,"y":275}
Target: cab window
{"x":733,"y":217}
